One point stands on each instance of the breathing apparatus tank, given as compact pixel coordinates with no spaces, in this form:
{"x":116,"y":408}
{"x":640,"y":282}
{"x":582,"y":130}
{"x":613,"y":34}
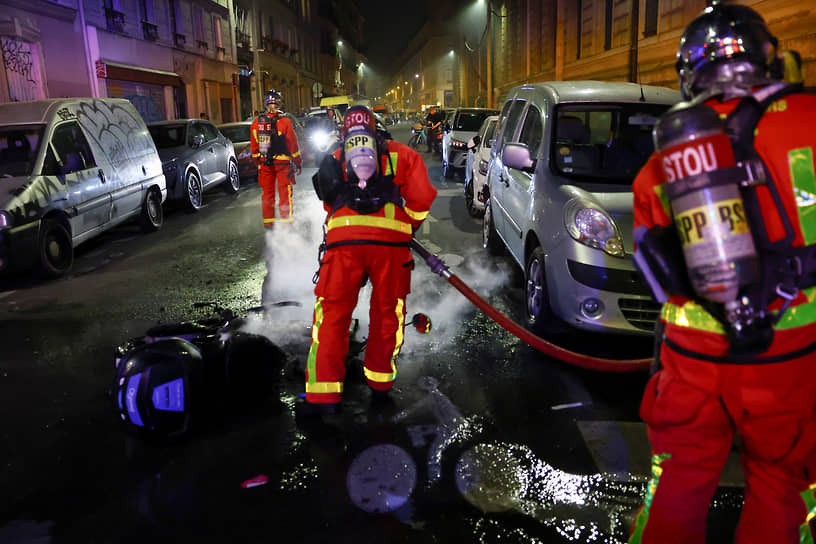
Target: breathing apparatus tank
{"x":265,"y":125}
{"x":703,"y":188}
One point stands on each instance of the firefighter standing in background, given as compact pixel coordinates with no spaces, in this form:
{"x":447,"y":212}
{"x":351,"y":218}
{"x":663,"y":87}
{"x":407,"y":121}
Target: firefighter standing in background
{"x":745,"y":364}
{"x":274,"y":147}
{"x":376,"y":193}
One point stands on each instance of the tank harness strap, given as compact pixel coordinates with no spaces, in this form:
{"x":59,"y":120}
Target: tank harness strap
{"x":727,"y":359}
{"x":784,"y":270}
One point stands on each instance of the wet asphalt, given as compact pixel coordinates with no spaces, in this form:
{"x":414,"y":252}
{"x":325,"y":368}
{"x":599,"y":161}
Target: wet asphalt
{"x":482,"y":440}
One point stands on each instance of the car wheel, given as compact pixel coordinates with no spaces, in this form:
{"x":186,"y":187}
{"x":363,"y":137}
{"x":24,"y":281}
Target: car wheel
{"x":473,"y":211}
{"x":152,"y":216}
{"x":490,"y":240}
{"x":233,"y":183}
{"x":192,"y":183}
{"x":536,"y":298}
{"x":56,"y":253}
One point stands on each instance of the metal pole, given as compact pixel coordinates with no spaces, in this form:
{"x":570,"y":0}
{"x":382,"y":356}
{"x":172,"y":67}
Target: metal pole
{"x":489,"y":61}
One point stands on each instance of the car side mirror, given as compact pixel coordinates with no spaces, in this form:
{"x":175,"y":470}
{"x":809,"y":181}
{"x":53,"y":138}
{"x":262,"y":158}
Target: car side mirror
{"x":518,"y":156}
{"x":198,"y":141}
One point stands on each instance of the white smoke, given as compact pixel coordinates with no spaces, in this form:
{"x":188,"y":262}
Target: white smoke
{"x":291,"y":259}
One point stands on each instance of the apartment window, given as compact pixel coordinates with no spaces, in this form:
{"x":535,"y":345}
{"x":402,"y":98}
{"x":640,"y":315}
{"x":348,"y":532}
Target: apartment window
{"x":271,"y":27}
{"x":216,"y":31}
{"x":175,"y":16}
{"x":151,"y":31}
{"x":198,"y":26}
{"x":608,"y":26}
{"x":650,"y":18}
{"x":114,"y":17}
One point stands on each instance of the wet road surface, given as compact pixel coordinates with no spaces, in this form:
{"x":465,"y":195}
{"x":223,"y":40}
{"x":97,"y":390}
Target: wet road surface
{"x":483,"y":440}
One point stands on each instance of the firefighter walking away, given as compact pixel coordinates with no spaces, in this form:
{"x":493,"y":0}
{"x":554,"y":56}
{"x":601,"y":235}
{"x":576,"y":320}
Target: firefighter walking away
{"x":726,"y":232}
{"x":274,"y":148}
{"x":376,"y":193}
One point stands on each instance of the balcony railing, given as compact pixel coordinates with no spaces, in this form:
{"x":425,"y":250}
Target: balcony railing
{"x":220,"y":52}
{"x":151,"y":31}
{"x":115,"y":20}
{"x":202,"y":45}
{"x":179,"y":39}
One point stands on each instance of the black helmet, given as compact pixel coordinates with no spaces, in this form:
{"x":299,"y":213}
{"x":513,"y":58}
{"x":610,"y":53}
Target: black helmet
{"x":273,"y":97}
{"x":726,"y":45}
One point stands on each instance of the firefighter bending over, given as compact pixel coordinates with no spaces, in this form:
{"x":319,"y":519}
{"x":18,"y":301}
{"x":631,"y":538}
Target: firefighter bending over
{"x":725,"y":225}
{"x":376,"y":193}
{"x":274,"y":147}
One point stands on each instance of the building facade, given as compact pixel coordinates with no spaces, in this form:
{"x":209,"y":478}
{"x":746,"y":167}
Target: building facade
{"x":499,"y":44}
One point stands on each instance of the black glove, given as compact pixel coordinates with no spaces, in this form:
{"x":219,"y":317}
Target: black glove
{"x":662,"y":251}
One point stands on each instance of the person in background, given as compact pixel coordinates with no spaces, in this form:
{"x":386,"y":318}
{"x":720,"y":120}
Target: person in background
{"x":376,"y":193}
{"x":721,"y":371}
{"x":274,"y":147}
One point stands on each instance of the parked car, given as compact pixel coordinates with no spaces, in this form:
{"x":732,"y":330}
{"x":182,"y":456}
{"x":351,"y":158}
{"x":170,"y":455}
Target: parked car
{"x":71,"y":168}
{"x":560,"y":200}
{"x":238,"y":134}
{"x":476,"y":165}
{"x":195,"y":157}
{"x":460,"y":127}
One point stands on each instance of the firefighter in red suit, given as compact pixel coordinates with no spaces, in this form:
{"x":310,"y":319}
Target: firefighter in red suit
{"x":376,"y":193}
{"x":714,"y":379}
{"x":274,"y":148}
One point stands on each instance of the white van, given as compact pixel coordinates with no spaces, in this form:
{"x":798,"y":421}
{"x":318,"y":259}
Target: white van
{"x":71,"y":168}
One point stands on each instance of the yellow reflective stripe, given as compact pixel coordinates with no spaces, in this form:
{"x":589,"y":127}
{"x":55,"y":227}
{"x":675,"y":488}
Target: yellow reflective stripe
{"x":281,"y":157}
{"x":324,"y":387}
{"x":693,"y":316}
{"x":389,"y":211}
{"x":660,"y":191}
{"x":296,"y":154}
{"x":808,"y":496}
{"x":312,"y":358}
{"x":393,"y":156}
{"x":270,"y":220}
{"x":369,"y":221}
{"x":416,"y":216}
{"x":255,"y":133}
{"x":690,"y":315}
{"x":800,"y":162}
{"x":256,"y":155}
{"x":801,"y":315}
{"x":643,"y":516}
{"x":400,"y":311}
{"x":381,"y":377}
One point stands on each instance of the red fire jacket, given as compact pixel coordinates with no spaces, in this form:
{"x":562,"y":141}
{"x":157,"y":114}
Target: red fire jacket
{"x":285,"y":129}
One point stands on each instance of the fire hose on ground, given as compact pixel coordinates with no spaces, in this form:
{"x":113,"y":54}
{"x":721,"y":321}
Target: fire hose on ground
{"x":437,"y":266}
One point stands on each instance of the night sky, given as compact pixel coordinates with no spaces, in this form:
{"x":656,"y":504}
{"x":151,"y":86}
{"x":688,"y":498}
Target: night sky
{"x":389,"y":27}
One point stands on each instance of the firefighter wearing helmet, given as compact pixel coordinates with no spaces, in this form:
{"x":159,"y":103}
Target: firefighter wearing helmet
{"x":376,"y":193}
{"x":725,"y":226}
{"x":274,"y":148}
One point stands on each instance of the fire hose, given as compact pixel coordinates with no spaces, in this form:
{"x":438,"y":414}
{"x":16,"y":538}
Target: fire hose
{"x":437,"y":266}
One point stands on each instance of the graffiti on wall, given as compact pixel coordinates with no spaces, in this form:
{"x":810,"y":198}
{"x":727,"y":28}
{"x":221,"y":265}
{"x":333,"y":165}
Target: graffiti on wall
{"x":20,"y":62}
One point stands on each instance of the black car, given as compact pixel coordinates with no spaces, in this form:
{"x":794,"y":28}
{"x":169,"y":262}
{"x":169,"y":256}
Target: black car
{"x":195,"y":157}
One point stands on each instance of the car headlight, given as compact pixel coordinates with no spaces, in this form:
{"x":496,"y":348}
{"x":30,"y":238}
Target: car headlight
{"x":590,"y":225}
{"x":483,"y":167}
{"x":458,"y":144}
{"x":320,"y":138}
{"x":244,"y":155}
{"x":5,"y":220}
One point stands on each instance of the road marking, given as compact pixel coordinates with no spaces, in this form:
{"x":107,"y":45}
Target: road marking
{"x":449,"y":192}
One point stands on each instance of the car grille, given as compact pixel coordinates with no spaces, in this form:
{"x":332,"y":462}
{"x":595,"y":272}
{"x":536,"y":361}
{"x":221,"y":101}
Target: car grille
{"x":608,"y":279}
{"x":640,"y":313}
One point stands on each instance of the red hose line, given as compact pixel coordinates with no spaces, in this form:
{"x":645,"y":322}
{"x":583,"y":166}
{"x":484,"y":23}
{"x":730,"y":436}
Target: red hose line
{"x":571,"y":357}
{"x":437,"y":266}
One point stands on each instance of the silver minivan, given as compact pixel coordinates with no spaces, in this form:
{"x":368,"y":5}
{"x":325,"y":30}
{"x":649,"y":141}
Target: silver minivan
{"x":71,"y":168}
{"x":560,"y":200}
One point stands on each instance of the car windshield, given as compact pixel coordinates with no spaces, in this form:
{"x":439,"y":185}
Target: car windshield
{"x":608,"y":143}
{"x":18,"y":149}
{"x":165,"y":136}
{"x":238,"y":133}
{"x":470,"y":121}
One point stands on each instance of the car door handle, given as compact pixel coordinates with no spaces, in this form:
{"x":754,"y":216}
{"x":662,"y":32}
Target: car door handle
{"x":102,"y":176}
{"x":504,"y":180}
{"x":212,"y":150}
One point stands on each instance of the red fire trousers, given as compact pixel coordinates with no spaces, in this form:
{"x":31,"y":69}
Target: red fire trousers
{"x":274,"y":177}
{"x":343,"y":272}
{"x":693,"y":408}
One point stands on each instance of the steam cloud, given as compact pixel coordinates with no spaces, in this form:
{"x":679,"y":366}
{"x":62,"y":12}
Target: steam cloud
{"x":291,"y":260}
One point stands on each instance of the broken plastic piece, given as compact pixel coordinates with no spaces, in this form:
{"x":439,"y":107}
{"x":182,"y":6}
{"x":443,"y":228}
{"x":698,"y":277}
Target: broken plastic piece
{"x":258,"y":480}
